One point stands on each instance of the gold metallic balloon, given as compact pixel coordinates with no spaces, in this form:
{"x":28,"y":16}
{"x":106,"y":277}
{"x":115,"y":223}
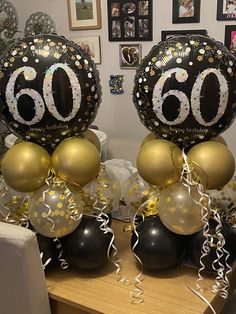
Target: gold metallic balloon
{"x":92,"y":137}
{"x":220,"y":139}
{"x":136,"y":192}
{"x":51,"y":211}
{"x":178,"y":211}
{"x":25,"y":166}
{"x":160,"y":162}
{"x":213,"y":164}
{"x":148,"y":138}
{"x":103,"y":193}
{"x":76,"y":160}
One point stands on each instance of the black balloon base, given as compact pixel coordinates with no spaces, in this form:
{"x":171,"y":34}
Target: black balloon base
{"x":157,"y":247}
{"x":86,"y":248}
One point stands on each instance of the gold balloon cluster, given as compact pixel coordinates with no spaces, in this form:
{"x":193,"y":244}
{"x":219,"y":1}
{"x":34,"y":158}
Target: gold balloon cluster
{"x":161,"y":164}
{"x":53,"y":209}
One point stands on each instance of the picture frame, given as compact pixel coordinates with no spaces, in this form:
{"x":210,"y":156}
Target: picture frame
{"x":230,"y":38}
{"x":186,"y":11}
{"x":130,"y":55}
{"x":170,"y":33}
{"x":130,"y":20}
{"x":91,"y":45}
{"x":84,"y":14}
{"x":226,"y":10}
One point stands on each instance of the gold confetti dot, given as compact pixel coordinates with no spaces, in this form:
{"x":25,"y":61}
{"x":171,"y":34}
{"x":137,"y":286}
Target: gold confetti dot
{"x":52,"y":44}
{"x":38,"y":221}
{"x":51,"y":192}
{"x":211,"y":60}
{"x":208,"y":47}
{"x":12,"y":59}
{"x":56,"y":55}
{"x":1,"y":74}
{"x":45,"y":53}
{"x":36,"y":214}
{"x":44,"y":215}
{"x":62,"y":213}
{"x":59,"y":205}
{"x":62,"y":196}
{"x":168,"y":199}
{"x":200,"y":58}
{"x":56,"y":212}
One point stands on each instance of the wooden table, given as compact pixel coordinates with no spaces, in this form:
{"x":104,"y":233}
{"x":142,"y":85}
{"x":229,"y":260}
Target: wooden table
{"x":166,"y":292}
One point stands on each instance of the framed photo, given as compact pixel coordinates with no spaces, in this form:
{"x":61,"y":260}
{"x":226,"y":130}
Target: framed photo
{"x":129,"y":20}
{"x":84,"y":14}
{"x":186,"y":11}
{"x":226,"y":10}
{"x":230,"y":38}
{"x":130,"y":56}
{"x":91,"y":45}
{"x":167,"y":34}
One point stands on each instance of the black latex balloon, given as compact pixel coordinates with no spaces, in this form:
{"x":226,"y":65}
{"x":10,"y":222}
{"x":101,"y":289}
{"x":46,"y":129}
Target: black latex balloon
{"x":194,"y":244}
{"x":158,"y":248}
{"x":184,"y":89}
{"x":49,"y":87}
{"x":86,"y":247}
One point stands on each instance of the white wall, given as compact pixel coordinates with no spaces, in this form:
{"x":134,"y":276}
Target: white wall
{"x":117,"y":114}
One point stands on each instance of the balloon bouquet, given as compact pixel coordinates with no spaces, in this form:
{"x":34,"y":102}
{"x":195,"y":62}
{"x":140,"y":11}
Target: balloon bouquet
{"x":50,"y":94}
{"x":185,"y":94}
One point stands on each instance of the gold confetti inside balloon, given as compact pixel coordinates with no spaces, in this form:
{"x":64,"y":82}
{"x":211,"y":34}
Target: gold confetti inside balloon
{"x":103,"y":193}
{"x":25,"y":166}
{"x":225,"y":200}
{"x":178,"y":211}
{"x":13,"y":205}
{"x":213,"y":164}
{"x":57,"y":213}
{"x":136,"y":192}
{"x":76,"y":160}
{"x":160,"y":162}
{"x":148,"y":138}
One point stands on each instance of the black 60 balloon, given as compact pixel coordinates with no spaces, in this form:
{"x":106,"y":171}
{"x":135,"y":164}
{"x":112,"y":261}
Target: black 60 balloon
{"x":185,"y":89}
{"x":49,"y":89}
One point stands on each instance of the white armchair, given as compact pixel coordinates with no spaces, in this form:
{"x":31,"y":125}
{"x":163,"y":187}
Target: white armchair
{"x":22,"y":282}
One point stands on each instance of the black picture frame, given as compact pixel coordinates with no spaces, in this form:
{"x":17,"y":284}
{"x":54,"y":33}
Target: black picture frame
{"x":193,"y":12}
{"x":166,"y":34}
{"x":230,"y":34}
{"x":226,"y":10}
{"x":130,"y":20}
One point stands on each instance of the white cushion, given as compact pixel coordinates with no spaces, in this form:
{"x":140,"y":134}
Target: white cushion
{"x":22,"y":282}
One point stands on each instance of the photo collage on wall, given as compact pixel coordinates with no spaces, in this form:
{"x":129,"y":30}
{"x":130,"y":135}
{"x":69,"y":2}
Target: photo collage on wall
{"x":130,"y":21}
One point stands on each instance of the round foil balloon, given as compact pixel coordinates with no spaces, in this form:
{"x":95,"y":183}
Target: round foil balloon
{"x":55,"y":212}
{"x":184,"y":89}
{"x":49,"y":89}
